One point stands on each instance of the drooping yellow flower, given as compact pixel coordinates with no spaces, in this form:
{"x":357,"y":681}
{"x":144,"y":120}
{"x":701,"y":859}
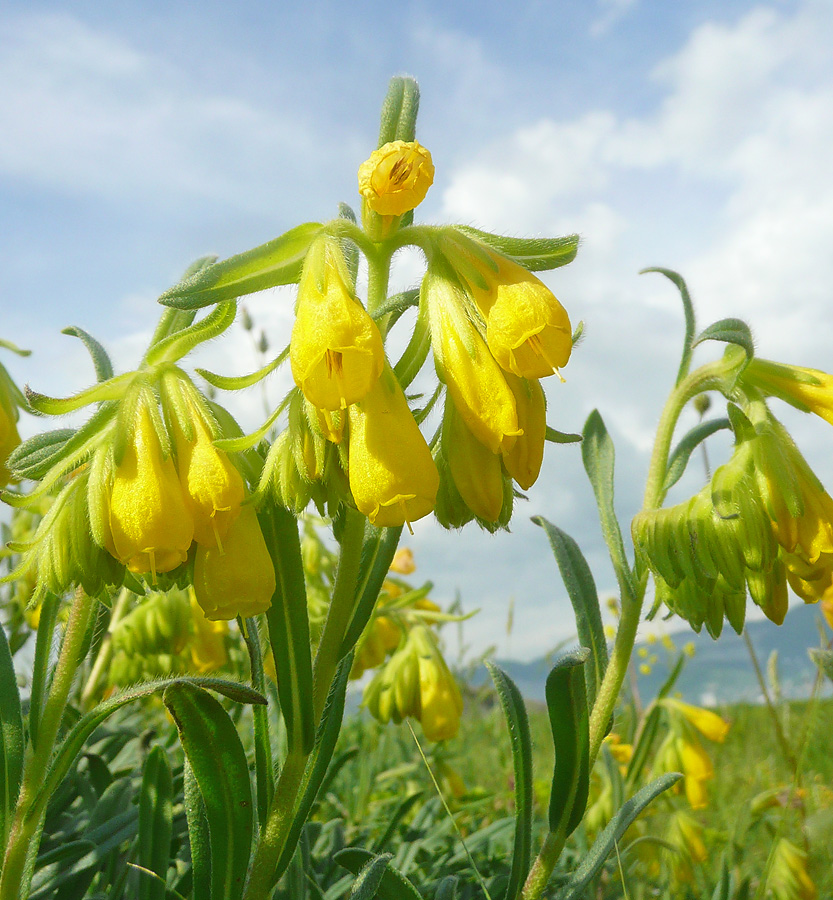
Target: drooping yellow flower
{"x":697,"y":770}
{"x":788,"y":876}
{"x":9,"y":439}
{"x":685,"y":835}
{"x":808,"y":389}
{"x":396,"y":178}
{"x":475,"y":469}
{"x":238,"y":580}
{"x":213,"y":487}
{"x":527,"y":329}
{"x":336,"y":350}
{"x":392,"y":474}
{"x":150,"y":525}
{"x":523,"y":461}
{"x":208,"y":643}
{"x":441,"y":703}
{"x":475,"y":380}
{"x":708,"y":723}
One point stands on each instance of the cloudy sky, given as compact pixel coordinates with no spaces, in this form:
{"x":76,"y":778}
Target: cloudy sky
{"x":135,"y":137}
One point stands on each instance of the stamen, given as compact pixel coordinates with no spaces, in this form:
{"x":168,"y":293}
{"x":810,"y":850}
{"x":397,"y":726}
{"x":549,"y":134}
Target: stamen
{"x":152,"y":558}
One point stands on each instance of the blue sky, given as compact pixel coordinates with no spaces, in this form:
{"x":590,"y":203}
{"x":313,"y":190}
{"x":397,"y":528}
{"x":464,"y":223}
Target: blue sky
{"x":139,"y":136}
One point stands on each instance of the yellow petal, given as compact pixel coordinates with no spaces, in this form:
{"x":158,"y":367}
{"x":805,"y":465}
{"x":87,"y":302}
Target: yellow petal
{"x":396,"y":178}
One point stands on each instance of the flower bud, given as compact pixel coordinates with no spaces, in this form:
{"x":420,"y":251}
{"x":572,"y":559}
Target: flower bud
{"x":238,"y":580}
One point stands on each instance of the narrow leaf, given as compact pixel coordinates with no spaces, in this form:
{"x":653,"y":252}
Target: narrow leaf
{"x":581,"y":588}
{"x":198,"y":836}
{"x":101,"y":361}
{"x":238,"y":382}
{"x":568,"y":713}
{"x":273,"y":263}
{"x":514,"y":712}
{"x":182,"y":342}
{"x":33,"y":457}
{"x":11,"y":739}
{"x":730,"y":331}
{"x":688,"y":444}
{"x":535,"y":254}
{"x":690,"y":321}
{"x":604,"y":843}
{"x":213,"y":748}
{"x":112,"y":389}
{"x":288,"y":622}
{"x":264,"y":766}
{"x":447,"y":888}
{"x":561,"y":437}
{"x":370,"y":877}
{"x":155,"y":823}
{"x":598,"y":456}
{"x":41,"y":667}
{"x":393,"y":885}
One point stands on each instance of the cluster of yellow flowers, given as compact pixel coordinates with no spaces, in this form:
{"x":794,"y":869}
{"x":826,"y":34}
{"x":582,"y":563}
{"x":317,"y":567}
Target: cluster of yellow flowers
{"x":495,"y":329}
{"x":763,"y":522}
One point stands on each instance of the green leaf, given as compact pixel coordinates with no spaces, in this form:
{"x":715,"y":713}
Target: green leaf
{"x":101,"y":361}
{"x":319,"y":760}
{"x":34,"y":457}
{"x":447,"y":888}
{"x":567,"y":707}
{"x":155,"y":823}
{"x":598,"y":456}
{"x":561,"y":437}
{"x":393,"y":885}
{"x":41,"y":667}
{"x":198,"y":836}
{"x":723,"y":890}
{"x":514,"y":712}
{"x":414,"y":355}
{"x":377,"y":555}
{"x":182,"y":342}
{"x":8,"y":345}
{"x":264,"y":766}
{"x":534,"y":254}
{"x":370,"y":877}
{"x":213,"y":748}
{"x":730,"y":331}
{"x":77,"y":736}
{"x":690,"y":321}
{"x":238,"y":382}
{"x":396,"y":304}
{"x":273,"y":263}
{"x":605,"y":842}
{"x":399,"y":110}
{"x":288,"y":621}
{"x":581,"y":588}
{"x":688,"y":444}
{"x":824,"y":660}
{"x":401,"y":811}
{"x":11,"y":739}
{"x":112,"y":389}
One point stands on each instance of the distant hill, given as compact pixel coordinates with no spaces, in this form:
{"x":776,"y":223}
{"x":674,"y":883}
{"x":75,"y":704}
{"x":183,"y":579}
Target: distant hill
{"x":720,"y":671}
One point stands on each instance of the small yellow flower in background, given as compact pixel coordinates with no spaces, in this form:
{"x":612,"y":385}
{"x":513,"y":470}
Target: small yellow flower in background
{"x":788,"y":877}
{"x":689,"y":649}
{"x":685,"y":835}
{"x":622,"y":753}
{"x":697,"y":770}
{"x":527,"y":329}
{"x":213,"y":487}
{"x":150,"y":524}
{"x":644,"y":669}
{"x":392,"y":474}
{"x":208,"y":645}
{"x":827,"y":610}
{"x":396,"y":178}
{"x":403,"y":561}
{"x":708,"y":723}
{"x":238,"y":580}
{"x":336,"y":351}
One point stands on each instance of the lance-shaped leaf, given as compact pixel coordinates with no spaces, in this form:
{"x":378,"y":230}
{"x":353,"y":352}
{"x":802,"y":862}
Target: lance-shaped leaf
{"x":688,"y":444}
{"x":447,"y":888}
{"x":182,"y":342}
{"x":514,"y":711}
{"x":217,"y":757}
{"x":34,"y":457}
{"x":112,"y":389}
{"x":399,"y":110}
{"x":597,"y":453}
{"x":369,"y":878}
{"x":101,"y":361}
{"x":730,"y":331}
{"x":690,"y":321}
{"x":155,"y":823}
{"x":414,"y":355}
{"x":605,"y":842}
{"x":561,"y":437}
{"x":581,"y":589}
{"x":567,"y":708}
{"x":11,"y":739}
{"x":534,"y":254}
{"x":392,"y":885}
{"x":271,"y":264}
{"x":289,"y":626}
{"x":239,"y":382}
{"x":198,"y":836}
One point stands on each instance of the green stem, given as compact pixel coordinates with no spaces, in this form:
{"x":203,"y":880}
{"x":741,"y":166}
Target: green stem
{"x":105,"y":653}
{"x":378,"y":276}
{"x":28,"y":812}
{"x":542,"y":868}
{"x":341,"y":609}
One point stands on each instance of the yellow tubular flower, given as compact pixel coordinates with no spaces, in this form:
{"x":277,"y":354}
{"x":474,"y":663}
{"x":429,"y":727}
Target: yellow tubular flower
{"x":396,"y":178}
{"x":697,"y":770}
{"x":475,"y":381}
{"x":213,"y":487}
{"x":336,"y":350}
{"x":9,"y":439}
{"x":208,"y":645}
{"x":475,"y":469}
{"x":392,"y":474}
{"x":150,"y":524}
{"x":441,"y":703}
{"x":238,"y":580}
{"x":523,"y":461}
{"x":708,"y":723}
{"x":403,"y":561}
{"x":809,"y":389}
{"x":527,"y":329}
